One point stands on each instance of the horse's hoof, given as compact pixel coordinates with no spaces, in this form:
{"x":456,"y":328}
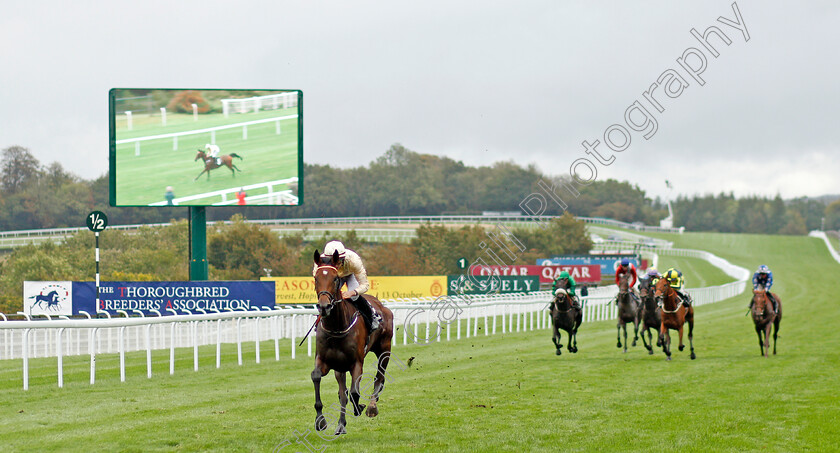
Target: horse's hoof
{"x":693,"y":356}
{"x":558,"y":351}
{"x":618,"y":345}
{"x":682,"y":346}
{"x":357,"y":409}
{"x":650,"y":351}
{"x":625,"y":350}
{"x":340,"y":430}
{"x":668,"y":358}
{"x":320,"y":423}
{"x":372,"y":411}
{"x":634,"y":343}
{"x":574,"y":351}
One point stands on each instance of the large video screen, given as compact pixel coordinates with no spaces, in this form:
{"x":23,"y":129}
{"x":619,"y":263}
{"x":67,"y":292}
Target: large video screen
{"x":205,"y":147}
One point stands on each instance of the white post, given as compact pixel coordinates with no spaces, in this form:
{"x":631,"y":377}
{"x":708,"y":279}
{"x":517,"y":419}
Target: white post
{"x":60,"y":359}
{"x":163,"y":116}
{"x":26,"y":359}
{"x":213,"y":137}
{"x":239,"y":341}
{"x":195,"y":112}
{"x":277,"y":127}
{"x":175,"y":143}
{"x":245,"y":132}
{"x":92,"y":341}
{"x":293,"y":335}
{"x":136,"y":148}
{"x":128,"y":118}
{"x":218,"y":343}
{"x":148,"y":350}
{"x":121,"y":347}
{"x":172,"y":344}
{"x":468,"y":324}
{"x":257,"y":338}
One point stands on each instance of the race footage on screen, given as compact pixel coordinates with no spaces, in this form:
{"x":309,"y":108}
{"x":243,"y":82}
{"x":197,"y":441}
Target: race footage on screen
{"x":202,"y":147}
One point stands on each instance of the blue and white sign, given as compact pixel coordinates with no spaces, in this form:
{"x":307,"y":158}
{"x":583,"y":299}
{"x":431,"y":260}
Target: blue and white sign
{"x":165,"y":297}
{"x":48,"y":298}
{"x":150,"y":298}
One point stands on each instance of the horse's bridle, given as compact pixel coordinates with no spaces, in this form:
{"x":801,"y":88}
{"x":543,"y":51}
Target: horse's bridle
{"x":331,"y":296}
{"x":660,"y":301}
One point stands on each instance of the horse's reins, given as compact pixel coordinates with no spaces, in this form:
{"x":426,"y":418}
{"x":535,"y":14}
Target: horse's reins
{"x":333,"y":300}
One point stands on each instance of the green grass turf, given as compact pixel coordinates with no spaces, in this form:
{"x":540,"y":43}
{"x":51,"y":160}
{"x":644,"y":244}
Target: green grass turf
{"x":266,"y":156}
{"x":499,"y":393}
{"x":698,"y":273}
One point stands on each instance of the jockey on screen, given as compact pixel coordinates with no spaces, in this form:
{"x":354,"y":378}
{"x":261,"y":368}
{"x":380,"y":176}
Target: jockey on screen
{"x":352,"y":271}
{"x":213,"y":152}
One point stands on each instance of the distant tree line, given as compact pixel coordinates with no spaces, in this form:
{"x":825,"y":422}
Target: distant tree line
{"x":402,"y":182}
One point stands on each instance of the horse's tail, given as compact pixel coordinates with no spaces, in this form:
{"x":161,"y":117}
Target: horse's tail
{"x":235,"y":155}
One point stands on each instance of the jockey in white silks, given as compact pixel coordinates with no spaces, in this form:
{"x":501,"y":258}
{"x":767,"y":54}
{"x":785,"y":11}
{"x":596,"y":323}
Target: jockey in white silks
{"x":352,"y":272}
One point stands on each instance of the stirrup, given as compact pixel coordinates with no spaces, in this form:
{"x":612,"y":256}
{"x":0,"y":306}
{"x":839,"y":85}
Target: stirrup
{"x":375,"y":323}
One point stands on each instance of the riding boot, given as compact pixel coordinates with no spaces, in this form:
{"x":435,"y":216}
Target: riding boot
{"x":686,"y":299}
{"x":368,"y":313}
{"x":773,"y":299}
{"x":576,"y":303}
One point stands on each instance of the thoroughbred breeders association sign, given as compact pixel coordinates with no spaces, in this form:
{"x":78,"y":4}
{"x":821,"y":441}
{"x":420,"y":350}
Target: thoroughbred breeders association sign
{"x":151,"y":298}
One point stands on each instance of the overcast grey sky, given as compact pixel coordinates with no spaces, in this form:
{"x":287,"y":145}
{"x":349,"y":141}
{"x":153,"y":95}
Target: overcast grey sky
{"x":478,"y":81}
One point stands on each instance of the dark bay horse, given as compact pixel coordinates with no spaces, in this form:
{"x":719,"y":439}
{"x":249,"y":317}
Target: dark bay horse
{"x":651,"y":315}
{"x":628,"y":311}
{"x":210,"y":163}
{"x":764,"y":318}
{"x":565,"y":317}
{"x":674,"y":316}
{"x":341,"y":343}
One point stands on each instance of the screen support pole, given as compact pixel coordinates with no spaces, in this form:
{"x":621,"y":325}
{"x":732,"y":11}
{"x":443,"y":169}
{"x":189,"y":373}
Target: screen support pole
{"x":198,"y":243}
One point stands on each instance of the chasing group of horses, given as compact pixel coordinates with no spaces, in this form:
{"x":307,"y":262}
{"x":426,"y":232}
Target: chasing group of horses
{"x":658,"y":307}
{"x":343,"y":340}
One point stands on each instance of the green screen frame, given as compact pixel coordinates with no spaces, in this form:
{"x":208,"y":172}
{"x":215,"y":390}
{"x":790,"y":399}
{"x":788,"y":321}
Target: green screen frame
{"x":187,"y":158}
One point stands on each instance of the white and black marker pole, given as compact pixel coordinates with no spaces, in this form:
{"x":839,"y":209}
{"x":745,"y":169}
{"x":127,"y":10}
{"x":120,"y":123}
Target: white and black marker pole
{"x":96,"y":222}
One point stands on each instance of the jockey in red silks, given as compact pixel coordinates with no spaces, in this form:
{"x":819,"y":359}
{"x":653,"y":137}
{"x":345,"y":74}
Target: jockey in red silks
{"x":626,"y":267}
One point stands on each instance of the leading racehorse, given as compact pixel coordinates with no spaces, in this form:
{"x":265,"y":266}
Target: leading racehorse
{"x":674,"y":316}
{"x":764,"y":317}
{"x":628,"y":311}
{"x":342,"y":342}
{"x":210,"y":163}
{"x":566,"y":317}
{"x":651,"y":315}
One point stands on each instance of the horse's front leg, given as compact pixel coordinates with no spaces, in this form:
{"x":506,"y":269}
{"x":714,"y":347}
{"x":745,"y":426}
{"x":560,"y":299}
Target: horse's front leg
{"x":199,"y":175}
{"x":341,"y":377}
{"x":618,"y":333}
{"x":355,"y":392}
{"x":760,"y":340}
{"x":635,"y":331}
{"x":767,"y":329}
{"x":320,"y":370}
{"x":666,"y":340}
{"x":776,"y":323}
{"x":555,"y":338}
{"x":625,"y":336}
